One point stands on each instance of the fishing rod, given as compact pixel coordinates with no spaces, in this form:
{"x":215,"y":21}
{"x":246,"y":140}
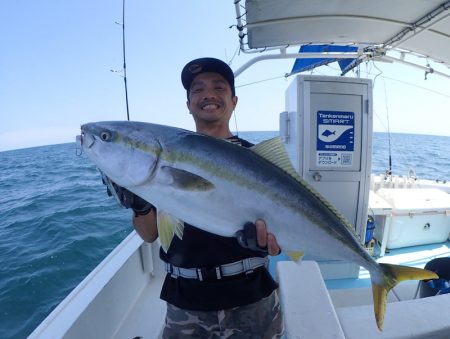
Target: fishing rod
{"x":388,"y":172}
{"x":124,"y":58}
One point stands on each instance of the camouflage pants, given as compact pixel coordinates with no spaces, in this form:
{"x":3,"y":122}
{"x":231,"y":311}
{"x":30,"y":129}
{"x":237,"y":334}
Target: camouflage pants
{"x":262,"y":319}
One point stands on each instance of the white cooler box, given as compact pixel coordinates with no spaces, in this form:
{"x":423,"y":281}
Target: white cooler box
{"x":419,"y":216}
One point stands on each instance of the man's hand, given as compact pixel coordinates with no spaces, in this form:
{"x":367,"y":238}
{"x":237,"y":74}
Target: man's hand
{"x":266,"y":239}
{"x":254,"y":236}
{"x":126,"y":198}
{"x":130,"y":200}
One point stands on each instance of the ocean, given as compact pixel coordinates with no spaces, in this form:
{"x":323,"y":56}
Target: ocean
{"x":57,"y":223}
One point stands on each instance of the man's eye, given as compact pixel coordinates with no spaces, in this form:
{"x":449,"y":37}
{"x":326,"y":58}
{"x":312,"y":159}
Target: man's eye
{"x":196,"y":89}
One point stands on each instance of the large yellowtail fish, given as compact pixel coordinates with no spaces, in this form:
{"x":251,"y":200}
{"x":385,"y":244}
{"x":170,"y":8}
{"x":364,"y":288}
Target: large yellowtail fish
{"x":218,"y":187}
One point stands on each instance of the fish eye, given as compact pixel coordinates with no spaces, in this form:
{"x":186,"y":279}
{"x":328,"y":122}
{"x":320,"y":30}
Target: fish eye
{"x":105,"y":136}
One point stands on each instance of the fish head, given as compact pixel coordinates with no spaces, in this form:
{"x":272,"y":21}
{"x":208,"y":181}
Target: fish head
{"x":121,"y":150}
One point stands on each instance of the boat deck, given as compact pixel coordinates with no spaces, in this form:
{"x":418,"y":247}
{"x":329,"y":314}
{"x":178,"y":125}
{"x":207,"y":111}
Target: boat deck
{"x":343,"y":308}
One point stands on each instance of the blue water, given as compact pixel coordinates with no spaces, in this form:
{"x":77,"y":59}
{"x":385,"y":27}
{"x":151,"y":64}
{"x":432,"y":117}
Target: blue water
{"x":57,"y":222}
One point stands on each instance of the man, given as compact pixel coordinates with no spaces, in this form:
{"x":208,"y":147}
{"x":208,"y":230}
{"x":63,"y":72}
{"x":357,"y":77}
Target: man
{"x":202,"y":300}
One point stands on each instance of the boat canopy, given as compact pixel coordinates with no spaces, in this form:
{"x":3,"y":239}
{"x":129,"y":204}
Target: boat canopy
{"x":370,"y":28}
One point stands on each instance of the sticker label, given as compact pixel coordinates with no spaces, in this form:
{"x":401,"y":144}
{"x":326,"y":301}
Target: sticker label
{"x":335,"y":138}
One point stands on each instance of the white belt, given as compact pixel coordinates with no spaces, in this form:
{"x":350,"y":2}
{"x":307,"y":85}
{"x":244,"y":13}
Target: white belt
{"x":216,"y":273}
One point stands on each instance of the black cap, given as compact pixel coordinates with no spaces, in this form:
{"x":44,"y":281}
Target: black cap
{"x":202,"y":65}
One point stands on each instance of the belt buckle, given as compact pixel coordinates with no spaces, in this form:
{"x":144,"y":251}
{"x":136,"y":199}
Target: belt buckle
{"x":209,"y":273}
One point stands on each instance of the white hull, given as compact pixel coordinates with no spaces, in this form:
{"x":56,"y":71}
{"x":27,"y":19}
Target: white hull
{"x":120,"y":299}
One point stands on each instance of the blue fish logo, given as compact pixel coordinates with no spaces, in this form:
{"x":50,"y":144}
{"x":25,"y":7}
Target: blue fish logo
{"x":327,"y":133}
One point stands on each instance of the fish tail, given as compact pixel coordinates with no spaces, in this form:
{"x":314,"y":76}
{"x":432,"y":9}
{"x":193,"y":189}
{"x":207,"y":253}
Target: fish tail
{"x":392,"y":275}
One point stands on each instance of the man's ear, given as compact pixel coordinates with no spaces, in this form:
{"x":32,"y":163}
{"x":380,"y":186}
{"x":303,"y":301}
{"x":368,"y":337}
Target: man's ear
{"x":234,"y":100}
{"x":188,"y":104}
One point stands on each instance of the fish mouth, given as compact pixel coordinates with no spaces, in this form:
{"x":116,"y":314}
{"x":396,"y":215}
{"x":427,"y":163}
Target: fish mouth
{"x":84,"y":140}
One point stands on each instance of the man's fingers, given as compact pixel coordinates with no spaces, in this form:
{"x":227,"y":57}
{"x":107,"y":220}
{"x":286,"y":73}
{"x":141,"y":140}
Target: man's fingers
{"x":261,"y":233}
{"x":272,"y":245}
{"x":256,"y":237}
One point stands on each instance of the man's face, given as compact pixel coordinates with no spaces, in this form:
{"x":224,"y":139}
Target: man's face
{"x":210,"y":98}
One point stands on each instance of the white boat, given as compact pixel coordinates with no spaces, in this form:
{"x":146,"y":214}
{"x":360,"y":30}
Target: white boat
{"x":120,"y":297}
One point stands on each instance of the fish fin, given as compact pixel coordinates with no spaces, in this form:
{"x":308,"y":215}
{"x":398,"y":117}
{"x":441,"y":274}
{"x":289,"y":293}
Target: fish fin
{"x":187,"y":181}
{"x":296,"y":256}
{"x":393,"y":274}
{"x":168,"y":227}
{"x":273,"y":150}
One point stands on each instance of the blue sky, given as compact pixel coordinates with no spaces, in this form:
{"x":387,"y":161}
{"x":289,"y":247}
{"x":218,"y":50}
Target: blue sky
{"x":57,"y":55}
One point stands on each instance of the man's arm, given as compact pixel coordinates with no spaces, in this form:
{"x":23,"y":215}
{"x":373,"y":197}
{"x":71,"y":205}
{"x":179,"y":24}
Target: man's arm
{"x":145,"y":225}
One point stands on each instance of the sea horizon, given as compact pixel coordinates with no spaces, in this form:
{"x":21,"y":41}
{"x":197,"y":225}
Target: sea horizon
{"x":234,"y":132}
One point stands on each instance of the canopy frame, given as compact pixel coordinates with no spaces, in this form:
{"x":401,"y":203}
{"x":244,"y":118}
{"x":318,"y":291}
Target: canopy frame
{"x":434,"y":23}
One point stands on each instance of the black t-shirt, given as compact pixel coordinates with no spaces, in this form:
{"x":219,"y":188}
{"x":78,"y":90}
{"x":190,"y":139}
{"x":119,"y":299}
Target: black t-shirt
{"x":203,"y":249}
